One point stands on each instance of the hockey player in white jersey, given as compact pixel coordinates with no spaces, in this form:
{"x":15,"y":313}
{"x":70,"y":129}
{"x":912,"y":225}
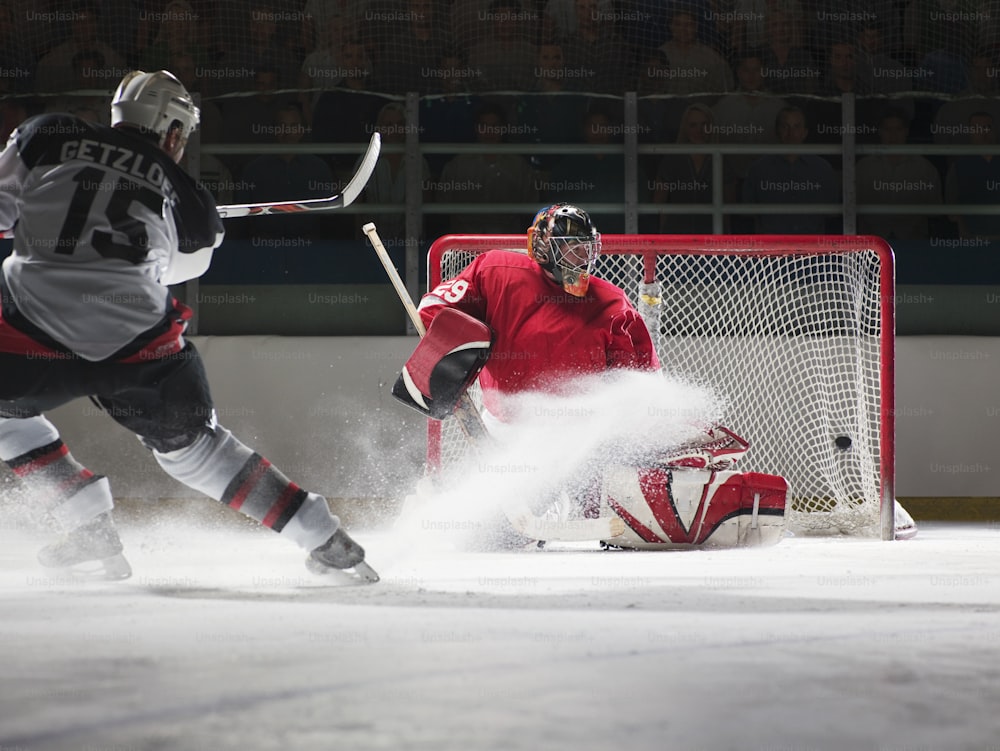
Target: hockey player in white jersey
{"x":104,"y":220}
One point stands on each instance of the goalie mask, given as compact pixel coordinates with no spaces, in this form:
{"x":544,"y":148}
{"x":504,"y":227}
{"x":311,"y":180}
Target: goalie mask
{"x":154,"y":102}
{"x":564,"y":241}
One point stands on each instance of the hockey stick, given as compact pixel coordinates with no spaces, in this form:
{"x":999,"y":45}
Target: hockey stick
{"x":471,"y":423}
{"x":337,"y":201}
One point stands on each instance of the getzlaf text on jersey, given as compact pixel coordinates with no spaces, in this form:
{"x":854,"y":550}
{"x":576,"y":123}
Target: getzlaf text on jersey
{"x":98,"y":213}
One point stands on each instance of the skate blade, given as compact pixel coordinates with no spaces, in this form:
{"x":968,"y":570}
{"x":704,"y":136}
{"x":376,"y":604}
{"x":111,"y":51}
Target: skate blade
{"x":114,"y":568}
{"x":362,"y":573}
{"x":366,"y":573}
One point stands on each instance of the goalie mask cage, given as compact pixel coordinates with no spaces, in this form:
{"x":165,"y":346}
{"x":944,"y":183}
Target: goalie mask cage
{"x":796,"y":333}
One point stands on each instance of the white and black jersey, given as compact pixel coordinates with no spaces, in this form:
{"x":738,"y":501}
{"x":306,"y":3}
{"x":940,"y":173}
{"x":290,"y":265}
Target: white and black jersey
{"x":103,"y":220}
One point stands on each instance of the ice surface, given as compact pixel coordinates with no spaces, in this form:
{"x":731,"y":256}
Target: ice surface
{"x":222,"y":640}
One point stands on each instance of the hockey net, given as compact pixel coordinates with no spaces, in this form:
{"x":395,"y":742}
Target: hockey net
{"x":796,"y":333}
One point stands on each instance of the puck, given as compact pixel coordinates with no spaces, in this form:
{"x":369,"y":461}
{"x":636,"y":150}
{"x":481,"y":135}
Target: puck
{"x":843,"y":442}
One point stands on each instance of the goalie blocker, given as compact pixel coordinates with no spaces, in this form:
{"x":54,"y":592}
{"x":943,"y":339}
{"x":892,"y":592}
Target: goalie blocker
{"x":444,"y":364}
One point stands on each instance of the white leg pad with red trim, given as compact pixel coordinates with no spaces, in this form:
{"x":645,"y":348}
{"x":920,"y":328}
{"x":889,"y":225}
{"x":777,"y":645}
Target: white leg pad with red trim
{"x":683,"y":508}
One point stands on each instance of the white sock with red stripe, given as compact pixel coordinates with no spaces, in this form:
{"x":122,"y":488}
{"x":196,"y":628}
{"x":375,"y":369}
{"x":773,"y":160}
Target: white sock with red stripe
{"x":220,"y":466}
{"x":52,"y":478}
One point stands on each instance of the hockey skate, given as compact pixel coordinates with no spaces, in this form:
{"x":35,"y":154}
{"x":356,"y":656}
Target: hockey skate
{"x":341,"y":553}
{"x":91,"y":551}
{"x":906,"y":528}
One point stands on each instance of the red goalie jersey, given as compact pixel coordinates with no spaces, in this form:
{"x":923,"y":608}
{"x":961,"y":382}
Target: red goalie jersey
{"x":542,"y":335}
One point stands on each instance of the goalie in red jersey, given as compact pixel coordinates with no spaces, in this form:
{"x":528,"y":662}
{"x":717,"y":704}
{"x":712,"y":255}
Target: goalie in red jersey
{"x":551,"y":320}
{"x":528,"y":323}
{"x":542,"y":323}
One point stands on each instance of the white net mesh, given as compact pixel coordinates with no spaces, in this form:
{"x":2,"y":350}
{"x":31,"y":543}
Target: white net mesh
{"x":792,"y":341}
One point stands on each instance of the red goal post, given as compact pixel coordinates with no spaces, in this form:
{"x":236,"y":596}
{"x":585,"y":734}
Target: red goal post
{"x":795,"y":332}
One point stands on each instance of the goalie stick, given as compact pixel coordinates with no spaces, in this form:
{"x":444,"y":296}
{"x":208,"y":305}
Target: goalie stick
{"x":469,"y":420}
{"x":337,"y":201}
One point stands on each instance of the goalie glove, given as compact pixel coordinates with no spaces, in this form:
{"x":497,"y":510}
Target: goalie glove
{"x":444,"y":364}
{"x":717,"y":448}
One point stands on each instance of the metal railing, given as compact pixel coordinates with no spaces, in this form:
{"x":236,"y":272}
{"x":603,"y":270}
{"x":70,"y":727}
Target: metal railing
{"x":414,"y":208}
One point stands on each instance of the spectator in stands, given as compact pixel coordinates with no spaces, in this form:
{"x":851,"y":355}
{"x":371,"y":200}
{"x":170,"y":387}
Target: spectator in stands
{"x":591,"y":43}
{"x":322,"y":69}
{"x":250,"y":119}
{"x":286,"y":176}
{"x":468,"y":23}
{"x":180,"y":32}
{"x":505,"y":55}
{"x":748,"y":28}
{"x":264,"y":44}
{"x":841,"y":73}
{"x":14,"y":110}
{"x":409,"y":46}
{"x":561,"y":18}
{"x":687,"y":178}
{"x":841,"y":77}
{"x":487,"y":178}
{"x":553,"y":102}
{"x":791,"y":178}
{"x":975,"y":179}
{"x":983,"y":72}
{"x":943,"y":71}
{"x":862,"y":15}
{"x":659,"y":114}
{"x":931,"y":26}
{"x":17,"y":50}
{"x":877,"y":72}
{"x":593,"y":177}
{"x":694,"y":67}
{"x":980,"y":95}
{"x":788,"y":66}
{"x":645,"y":24}
{"x":906,"y":179}
{"x":210,"y":170}
{"x":939,"y":35}
{"x":746,"y":116}
{"x":450,"y":118}
{"x":551,"y":73}
{"x":328,"y":24}
{"x":148,"y":17}
{"x":213,"y":175}
{"x":388,"y":182}
{"x":347,"y":113}
{"x":55,"y":69}
{"x":185,"y":67}
{"x":88,"y":69}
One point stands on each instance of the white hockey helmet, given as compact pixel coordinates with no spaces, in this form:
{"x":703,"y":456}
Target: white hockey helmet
{"x":154,"y":102}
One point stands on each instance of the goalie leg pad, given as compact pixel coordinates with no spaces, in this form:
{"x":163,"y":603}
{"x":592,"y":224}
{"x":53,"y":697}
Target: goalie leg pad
{"x":716,"y":448}
{"x":684,"y":508}
{"x":444,"y":364}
